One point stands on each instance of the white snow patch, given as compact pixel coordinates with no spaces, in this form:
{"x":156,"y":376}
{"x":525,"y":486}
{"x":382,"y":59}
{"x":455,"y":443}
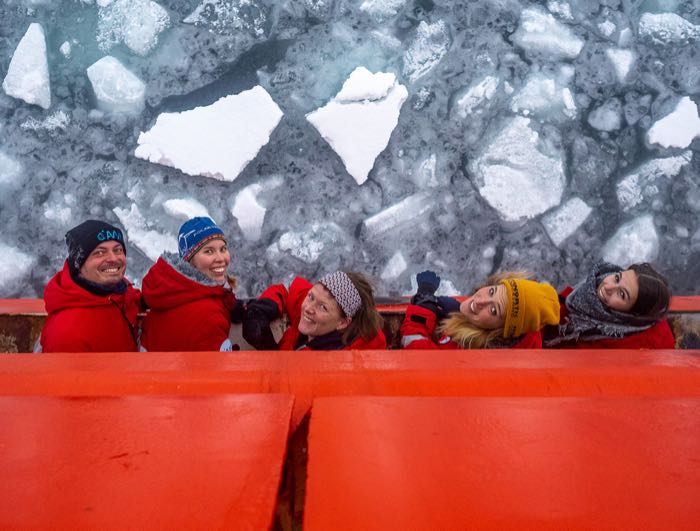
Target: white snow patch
{"x":622,"y":61}
{"x":309,"y":245}
{"x":249,"y":212}
{"x":65,"y":49}
{"x":151,"y":242}
{"x":400,"y":214}
{"x":607,"y":117}
{"x":382,"y":8}
{"x":427,"y":49}
{"x":27,"y":77}
{"x":541,"y":32}
{"x":635,"y":241}
{"x":565,"y":220}
{"x":216,"y":141}
{"x":117,"y":89}
{"x":10,"y":171}
{"x":679,"y":128}
{"x":358,"y":131}
{"x":184,"y":209}
{"x":394,"y":267}
{"x":516,"y":178}
{"x":561,"y":9}
{"x":136,"y":23}
{"x":52,"y":123}
{"x":14,"y":266}
{"x":477,"y":93}
{"x":543,"y":96}
{"x":642,"y":183}
{"x":667,"y":28}
{"x":607,"y":28}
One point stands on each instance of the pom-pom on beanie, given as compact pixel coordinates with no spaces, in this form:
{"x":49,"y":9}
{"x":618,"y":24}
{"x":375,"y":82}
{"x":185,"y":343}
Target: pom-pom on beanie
{"x":531,"y":305}
{"x":83,"y":239}
{"x":194,"y":233}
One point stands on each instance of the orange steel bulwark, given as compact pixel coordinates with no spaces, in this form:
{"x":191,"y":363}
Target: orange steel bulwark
{"x":136,"y":462}
{"x":504,"y":463}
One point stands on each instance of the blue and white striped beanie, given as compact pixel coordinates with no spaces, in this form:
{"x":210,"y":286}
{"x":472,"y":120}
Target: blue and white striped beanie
{"x":194,"y":233}
{"x":344,"y":292}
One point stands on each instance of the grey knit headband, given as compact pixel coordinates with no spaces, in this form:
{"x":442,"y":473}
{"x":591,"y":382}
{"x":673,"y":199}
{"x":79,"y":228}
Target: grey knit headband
{"x":344,"y":292}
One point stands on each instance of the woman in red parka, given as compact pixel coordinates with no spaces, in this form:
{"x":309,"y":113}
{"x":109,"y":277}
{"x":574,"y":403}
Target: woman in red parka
{"x":614,"y":308}
{"x":190,"y":295}
{"x":338,"y":312}
{"x":508,"y":311}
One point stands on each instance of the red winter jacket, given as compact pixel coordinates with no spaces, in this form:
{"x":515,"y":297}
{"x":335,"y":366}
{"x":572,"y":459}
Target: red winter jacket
{"x":79,"y":321}
{"x":657,"y":336}
{"x":184,"y":314}
{"x":419,"y":325}
{"x":289,"y":302}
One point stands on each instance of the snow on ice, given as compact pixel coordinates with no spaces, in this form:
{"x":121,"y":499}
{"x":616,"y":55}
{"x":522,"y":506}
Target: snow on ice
{"x":184,"y":209}
{"x":14,"y":266}
{"x":151,"y":242}
{"x":116,"y":88}
{"x":635,"y":241}
{"x":677,"y":129}
{"x":565,"y":220}
{"x":27,"y":77}
{"x":135,"y":23}
{"x":540,"y":32}
{"x":216,"y":141}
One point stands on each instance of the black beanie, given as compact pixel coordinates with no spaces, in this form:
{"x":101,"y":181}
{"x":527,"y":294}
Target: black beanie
{"x":83,"y":239}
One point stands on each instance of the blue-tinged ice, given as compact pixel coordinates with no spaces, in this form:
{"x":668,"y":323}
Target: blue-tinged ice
{"x":540,"y":33}
{"x":143,"y":234}
{"x":134,"y":23}
{"x":227,"y":17}
{"x":635,"y":241}
{"x":429,"y":45}
{"x":15,"y":266}
{"x":116,"y":88}
{"x":565,"y":220}
{"x":667,"y":28}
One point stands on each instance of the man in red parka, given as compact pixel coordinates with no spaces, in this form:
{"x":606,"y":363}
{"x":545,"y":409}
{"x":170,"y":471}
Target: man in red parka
{"x":91,"y":306}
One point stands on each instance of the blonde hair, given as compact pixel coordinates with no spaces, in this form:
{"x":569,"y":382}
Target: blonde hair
{"x":367,"y":322}
{"x":464,"y":333}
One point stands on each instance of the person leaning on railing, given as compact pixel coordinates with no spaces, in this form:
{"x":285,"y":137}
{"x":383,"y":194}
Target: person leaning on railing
{"x":91,"y":306}
{"x":614,"y":308}
{"x":337,"y":312}
{"x":507,"y":311}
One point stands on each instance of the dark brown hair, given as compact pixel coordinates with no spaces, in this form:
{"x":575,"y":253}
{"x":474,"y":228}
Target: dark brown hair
{"x":367,"y":322}
{"x":654,"y":295}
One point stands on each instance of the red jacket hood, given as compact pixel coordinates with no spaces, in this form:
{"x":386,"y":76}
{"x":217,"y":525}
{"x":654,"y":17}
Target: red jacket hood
{"x":62,"y":292}
{"x":164,"y":287}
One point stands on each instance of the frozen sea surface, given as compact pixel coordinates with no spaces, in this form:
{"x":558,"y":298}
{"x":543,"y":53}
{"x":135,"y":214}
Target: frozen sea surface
{"x":381,"y":136}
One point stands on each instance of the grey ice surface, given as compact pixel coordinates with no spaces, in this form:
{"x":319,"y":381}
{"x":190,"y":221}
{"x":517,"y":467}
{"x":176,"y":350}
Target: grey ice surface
{"x":573,"y":87}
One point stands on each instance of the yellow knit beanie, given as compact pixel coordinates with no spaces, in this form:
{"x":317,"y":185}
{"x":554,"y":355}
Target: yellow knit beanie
{"x":531,"y":305}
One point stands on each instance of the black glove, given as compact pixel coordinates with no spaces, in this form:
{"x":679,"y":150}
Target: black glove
{"x":446,"y":305}
{"x":256,"y":324}
{"x":238,"y":312}
{"x":428,"y":283}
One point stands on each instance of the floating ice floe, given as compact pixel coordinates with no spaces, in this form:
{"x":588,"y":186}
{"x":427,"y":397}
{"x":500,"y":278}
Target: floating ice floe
{"x":308,"y":246}
{"x":540,"y":32}
{"x":27,"y":77}
{"x":635,"y":241}
{"x":382,"y":8}
{"x":394,"y":267}
{"x":544,"y":96}
{"x":14,"y":266}
{"x":514,"y":177}
{"x":607,"y":117}
{"x":622,"y":61}
{"x":476,"y":95}
{"x":561,"y":9}
{"x":227,"y":17}
{"x":400,"y":214}
{"x":216,"y":141}
{"x":65,"y":49}
{"x":667,"y":28}
{"x":565,"y":220}
{"x":359,"y":121}
{"x":426,"y":50}
{"x":51,"y":124}
{"x":644,"y":182}
{"x":151,"y":242}
{"x":249,"y":213}
{"x":135,"y":23}
{"x":116,"y":88}
{"x":184,"y":209}
{"x":607,"y":28}
{"x":10,"y":171}
{"x":677,"y":129}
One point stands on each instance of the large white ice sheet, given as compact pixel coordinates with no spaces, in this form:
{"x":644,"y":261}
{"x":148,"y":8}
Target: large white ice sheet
{"x":27,"y":77}
{"x":216,"y":141}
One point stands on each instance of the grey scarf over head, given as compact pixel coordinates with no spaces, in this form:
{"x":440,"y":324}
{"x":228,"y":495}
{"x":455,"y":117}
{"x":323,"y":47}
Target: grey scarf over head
{"x":589,"y":319}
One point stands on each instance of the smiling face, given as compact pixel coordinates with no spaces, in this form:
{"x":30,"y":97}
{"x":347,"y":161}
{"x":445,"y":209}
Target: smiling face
{"x":320,"y":313}
{"x":213,"y":260}
{"x":487,"y":307}
{"x":105,"y":265}
{"x":619,"y":291}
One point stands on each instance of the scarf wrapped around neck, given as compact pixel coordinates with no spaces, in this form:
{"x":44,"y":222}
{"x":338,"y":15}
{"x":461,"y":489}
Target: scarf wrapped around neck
{"x":589,"y":319}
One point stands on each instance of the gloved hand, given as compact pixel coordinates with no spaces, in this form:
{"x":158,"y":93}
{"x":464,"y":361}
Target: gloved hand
{"x":428,"y":282}
{"x":256,"y":324}
{"x":447,"y":305}
{"x":238,"y":312}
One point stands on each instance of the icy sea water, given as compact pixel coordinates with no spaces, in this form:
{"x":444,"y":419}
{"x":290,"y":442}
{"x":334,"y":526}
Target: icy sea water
{"x":381,"y":136}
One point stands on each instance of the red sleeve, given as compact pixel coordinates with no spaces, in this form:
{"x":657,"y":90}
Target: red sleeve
{"x":417,"y":328}
{"x":658,"y":336}
{"x":289,"y":301}
{"x":530,"y":340}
